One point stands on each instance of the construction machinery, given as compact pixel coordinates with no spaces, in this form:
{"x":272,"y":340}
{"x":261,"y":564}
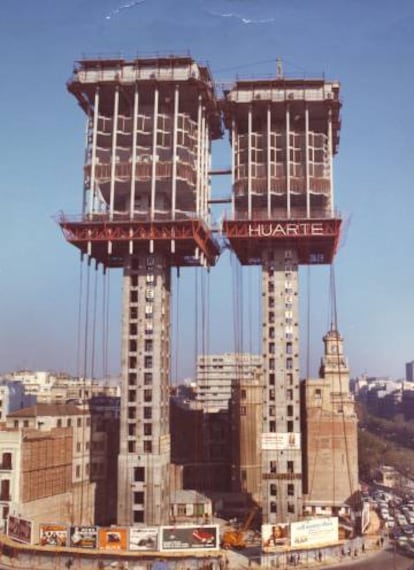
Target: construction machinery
{"x":236,"y":537}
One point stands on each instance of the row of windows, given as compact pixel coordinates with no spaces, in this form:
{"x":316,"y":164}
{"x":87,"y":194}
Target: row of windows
{"x":147,"y":446}
{"x":289,"y":466}
{"x":146,"y":413}
{"x":148,"y":345}
{"x":290,"y":489}
{"x":290,"y":507}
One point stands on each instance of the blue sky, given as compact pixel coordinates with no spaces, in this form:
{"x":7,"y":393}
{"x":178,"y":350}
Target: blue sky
{"x":368,"y":45}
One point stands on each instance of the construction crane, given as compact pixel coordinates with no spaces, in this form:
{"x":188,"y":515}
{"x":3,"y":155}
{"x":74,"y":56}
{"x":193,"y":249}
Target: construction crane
{"x":236,"y":538}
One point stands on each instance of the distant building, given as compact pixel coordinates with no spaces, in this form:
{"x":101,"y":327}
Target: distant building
{"x":409,"y":371}
{"x":330,"y":435}
{"x":246,"y":412}
{"x":59,"y":388}
{"x":13,"y":397}
{"x":45,"y":453}
{"x":218,"y":373}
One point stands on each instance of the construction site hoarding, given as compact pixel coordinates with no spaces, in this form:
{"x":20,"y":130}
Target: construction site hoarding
{"x":275,"y":536}
{"x":53,"y":534}
{"x":280,"y":441}
{"x":143,"y":538}
{"x":112,"y":538}
{"x":314,"y":532}
{"x":19,"y":529}
{"x":84,"y":536}
{"x":189,"y":538}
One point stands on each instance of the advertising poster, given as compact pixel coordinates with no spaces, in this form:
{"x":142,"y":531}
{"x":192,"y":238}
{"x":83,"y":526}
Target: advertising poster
{"x":19,"y":529}
{"x":189,"y":538}
{"x":84,"y":536}
{"x":280,"y":441}
{"x":143,"y":538}
{"x":314,"y":532}
{"x":53,"y":534}
{"x":275,"y":536}
{"x":113,"y":538}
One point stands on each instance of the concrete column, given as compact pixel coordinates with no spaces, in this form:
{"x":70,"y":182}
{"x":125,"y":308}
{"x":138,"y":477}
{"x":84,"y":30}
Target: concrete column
{"x":134,"y":152}
{"x":113,"y":155}
{"x":143,"y":465}
{"x":281,"y":440}
{"x":93,"y":157}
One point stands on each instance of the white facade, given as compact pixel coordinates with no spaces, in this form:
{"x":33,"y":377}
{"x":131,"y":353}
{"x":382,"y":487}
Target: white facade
{"x":216,"y":373}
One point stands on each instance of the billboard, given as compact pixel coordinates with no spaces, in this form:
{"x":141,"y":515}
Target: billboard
{"x":53,"y":534}
{"x":189,"y":538}
{"x":19,"y":529}
{"x":275,"y":536}
{"x":313,"y":532}
{"x":112,"y":538}
{"x":280,"y":441}
{"x":83,"y":536}
{"x":143,"y":538}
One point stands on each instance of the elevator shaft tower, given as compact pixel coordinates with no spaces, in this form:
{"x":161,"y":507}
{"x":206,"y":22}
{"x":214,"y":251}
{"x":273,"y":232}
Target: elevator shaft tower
{"x":150,"y":123}
{"x":284,"y":134}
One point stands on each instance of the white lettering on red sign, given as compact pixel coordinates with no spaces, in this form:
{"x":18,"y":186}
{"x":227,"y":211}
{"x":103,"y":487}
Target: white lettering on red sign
{"x":286,"y":229}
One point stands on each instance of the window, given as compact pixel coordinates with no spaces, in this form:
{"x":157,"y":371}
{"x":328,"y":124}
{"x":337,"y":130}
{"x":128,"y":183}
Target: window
{"x":147,"y":429}
{"x":131,"y":413}
{"x":290,"y":410}
{"x":131,"y":446}
{"x":147,"y":395}
{"x":290,"y":466}
{"x":273,"y":489}
{"x":147,"y":378}
{"x":243,"y":394}
{"x":132,"y":378}
{"x":148,"y":345}
{"x":78,"y":471}
{"x":272,"y":426}
{"x":58,"y":423}
{"x":7,"y":461}
{"x":138,"y":516}
{"x":273,"y":467}
{"x":147,"y":413}
{"x":131,"y":395}
{"x":290,"y":426}
{"x":138,"y":497}
{"x":272,"y":379}
{"x":273,"y":507}
{"x":79,"y":422}
{"x":78,"y":446}
{"x":139,"y":474}
{"x":68,"y":422}
{"x":131,"y":429}
{"x":148,"y":362}
{"x":291,"y":489}
{"x":147,"y":447}
{"x":290,"y":508}
{"x":289,"y":394}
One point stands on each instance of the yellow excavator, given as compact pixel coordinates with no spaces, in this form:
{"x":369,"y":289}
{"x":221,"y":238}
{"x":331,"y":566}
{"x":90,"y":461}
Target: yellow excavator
{"x":236,"y":538}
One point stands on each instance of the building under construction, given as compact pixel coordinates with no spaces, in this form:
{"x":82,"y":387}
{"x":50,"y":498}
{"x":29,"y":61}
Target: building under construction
{"x":150,"y":123}
{"x":283,"y":134}
{"x":145,"y":208}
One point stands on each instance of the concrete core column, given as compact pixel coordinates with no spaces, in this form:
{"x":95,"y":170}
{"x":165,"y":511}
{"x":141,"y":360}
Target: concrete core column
{"x":281,"y":441}
{"x":143,"y":466}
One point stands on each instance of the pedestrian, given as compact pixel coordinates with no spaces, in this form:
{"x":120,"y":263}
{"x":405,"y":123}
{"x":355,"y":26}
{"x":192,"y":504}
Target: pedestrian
{"x":363,"y":547}
{"x":320,"y":556}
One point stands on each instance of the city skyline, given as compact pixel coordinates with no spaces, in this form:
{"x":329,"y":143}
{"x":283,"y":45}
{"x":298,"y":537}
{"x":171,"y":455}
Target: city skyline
{"x":43,"y":157}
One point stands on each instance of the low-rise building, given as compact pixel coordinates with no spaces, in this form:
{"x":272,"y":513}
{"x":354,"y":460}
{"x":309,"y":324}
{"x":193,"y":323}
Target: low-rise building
{"x":45,"y":453}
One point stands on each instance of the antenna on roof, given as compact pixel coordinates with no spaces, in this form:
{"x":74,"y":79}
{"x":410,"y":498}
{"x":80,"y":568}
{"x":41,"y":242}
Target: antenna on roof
{"x":279,"y":73}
